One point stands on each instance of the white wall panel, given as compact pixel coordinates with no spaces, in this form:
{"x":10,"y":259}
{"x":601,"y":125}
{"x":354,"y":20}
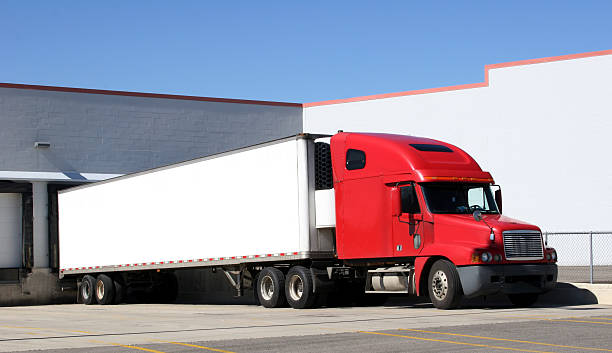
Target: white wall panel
{"x":542,"y":130}
{"x":10,"y":230}
{"x":239,"y":204}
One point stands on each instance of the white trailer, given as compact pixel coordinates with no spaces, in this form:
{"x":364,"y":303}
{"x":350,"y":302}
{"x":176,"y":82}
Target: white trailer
{"x":233,"y":210}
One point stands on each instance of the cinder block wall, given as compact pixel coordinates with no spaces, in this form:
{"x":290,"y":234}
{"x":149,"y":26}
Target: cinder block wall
{"x":99,"y":133}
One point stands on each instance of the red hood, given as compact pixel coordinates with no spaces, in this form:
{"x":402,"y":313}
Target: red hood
{"x":498,"y":222}
{"x":463,"y":228}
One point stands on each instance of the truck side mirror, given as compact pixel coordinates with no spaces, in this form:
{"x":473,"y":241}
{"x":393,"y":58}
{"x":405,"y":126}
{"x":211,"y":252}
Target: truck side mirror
{"x":498,"y":199}
{"x":396,"y":201}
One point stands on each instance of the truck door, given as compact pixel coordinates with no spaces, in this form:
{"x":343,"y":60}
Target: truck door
{"x":408,"y":222}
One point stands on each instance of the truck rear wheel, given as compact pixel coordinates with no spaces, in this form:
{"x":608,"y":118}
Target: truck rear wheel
{"x":299,"y":288}
{"x":86,"y":291}
{"x":104,"y":290}
{"x":523,"y":300}
{"x":445,"y":289}
{"x":271,"y":288}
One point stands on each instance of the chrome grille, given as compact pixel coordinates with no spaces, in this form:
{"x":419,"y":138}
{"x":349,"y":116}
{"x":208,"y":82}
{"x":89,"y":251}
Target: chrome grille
{"x":523,"y":245}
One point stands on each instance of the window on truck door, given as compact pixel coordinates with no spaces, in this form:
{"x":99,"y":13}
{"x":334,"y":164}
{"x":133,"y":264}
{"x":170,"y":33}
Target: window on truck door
{"x":409,"y":200}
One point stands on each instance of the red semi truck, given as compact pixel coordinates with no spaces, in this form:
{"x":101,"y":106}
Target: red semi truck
{"x":308,"y":217}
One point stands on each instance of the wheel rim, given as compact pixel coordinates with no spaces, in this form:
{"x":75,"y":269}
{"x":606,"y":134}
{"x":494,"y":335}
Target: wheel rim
{"x":85,"y":290}
{"x":100,"y":289}
{"x":439,"y":285}
{"x":267,"y":288}
{"x":296,"y":287}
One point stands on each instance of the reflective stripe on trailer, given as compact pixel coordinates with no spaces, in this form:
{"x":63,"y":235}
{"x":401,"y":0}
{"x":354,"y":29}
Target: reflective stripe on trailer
{"x":192,"y":262}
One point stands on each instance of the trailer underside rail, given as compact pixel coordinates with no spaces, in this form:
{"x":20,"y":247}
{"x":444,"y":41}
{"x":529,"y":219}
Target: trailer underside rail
{"x":203,"y":262}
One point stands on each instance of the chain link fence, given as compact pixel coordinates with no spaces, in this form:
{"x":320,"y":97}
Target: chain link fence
{"x":583,"y":256}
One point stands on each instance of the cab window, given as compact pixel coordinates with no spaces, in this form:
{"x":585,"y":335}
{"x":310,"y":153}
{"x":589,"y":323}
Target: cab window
{"x":355,"y":159}
{"x":409,"y":200}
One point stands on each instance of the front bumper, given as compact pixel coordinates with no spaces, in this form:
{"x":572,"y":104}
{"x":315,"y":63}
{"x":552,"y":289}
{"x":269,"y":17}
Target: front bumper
{"x":479,"y":280}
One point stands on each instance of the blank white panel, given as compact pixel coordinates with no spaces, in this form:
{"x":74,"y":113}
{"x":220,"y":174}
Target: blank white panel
{"x":10,"y":230}
{"x":239,"y":204}
{"x":535,"y":128}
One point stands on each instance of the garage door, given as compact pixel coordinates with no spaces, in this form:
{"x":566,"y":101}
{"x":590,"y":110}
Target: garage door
{"x":10,"y":230}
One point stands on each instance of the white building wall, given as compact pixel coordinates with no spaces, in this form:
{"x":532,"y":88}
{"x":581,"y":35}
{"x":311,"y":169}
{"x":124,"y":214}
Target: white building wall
{"x":541,"y":129}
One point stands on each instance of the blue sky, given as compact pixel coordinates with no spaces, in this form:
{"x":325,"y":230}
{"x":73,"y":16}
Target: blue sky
{"x":285,"y":50}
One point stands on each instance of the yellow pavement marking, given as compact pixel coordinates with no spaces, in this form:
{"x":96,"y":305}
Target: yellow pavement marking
{"x":196,"y":346}
{"x":455,"y":342}
{"x":561,"y":320}
{"x":127,"y":346}
{"x":508,"y":340}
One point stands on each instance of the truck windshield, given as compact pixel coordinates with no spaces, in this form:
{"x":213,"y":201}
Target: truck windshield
{"x":459,"y":198}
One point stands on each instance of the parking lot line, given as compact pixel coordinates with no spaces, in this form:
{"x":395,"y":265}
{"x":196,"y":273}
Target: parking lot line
{"x":196,"y":346}
{"x":508,"y":340}
{"x":454,"y":342}
{"x":127,"y":346}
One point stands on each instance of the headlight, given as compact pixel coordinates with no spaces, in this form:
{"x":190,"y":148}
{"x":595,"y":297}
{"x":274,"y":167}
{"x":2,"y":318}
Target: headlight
{"x":486,"y":257}
{"x":548,"y":256}
{"x":554,"y":255}
{"x":497,"y":257}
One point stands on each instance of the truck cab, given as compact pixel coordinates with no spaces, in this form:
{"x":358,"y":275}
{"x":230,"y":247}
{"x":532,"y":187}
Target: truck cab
{"x":427,"y":212}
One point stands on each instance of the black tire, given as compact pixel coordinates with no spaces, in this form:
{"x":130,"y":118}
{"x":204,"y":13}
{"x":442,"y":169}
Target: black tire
{"x":86,"y":290}
{"x":299,"y":289}
{"x":444,"y":285}
{"x":104,"y":290}
{"x":523,"y":300}
{"x":271,"y":288}
{"x":120,"y":290}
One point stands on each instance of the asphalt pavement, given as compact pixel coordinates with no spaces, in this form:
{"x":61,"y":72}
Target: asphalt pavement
{"x":407,"y":327}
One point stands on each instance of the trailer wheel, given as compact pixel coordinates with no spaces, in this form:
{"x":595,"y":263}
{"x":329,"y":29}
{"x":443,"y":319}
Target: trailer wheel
{"x":104,"y":290}
{"x":271,"y":288}
{"x":88,"y":283}
{"x":299,"y":288}
{"x":523,"y":300}
{"x":445,"y":289}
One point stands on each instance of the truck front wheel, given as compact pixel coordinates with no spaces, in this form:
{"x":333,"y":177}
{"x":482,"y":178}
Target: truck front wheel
{"x":445,"y":289}
{"x":271,"y":288}
{"x":299,"y":288}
